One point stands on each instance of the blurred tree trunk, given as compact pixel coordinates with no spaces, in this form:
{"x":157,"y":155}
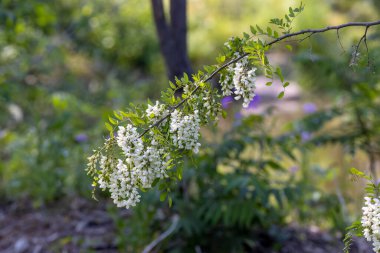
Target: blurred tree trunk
{"x":172,"y":35}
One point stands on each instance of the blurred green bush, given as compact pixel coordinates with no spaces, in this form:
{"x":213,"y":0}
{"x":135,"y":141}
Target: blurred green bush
{"x":238,"y":194}
{"x":64,"y":65}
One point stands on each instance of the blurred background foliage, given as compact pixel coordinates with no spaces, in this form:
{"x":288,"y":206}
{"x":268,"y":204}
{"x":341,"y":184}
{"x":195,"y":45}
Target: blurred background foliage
{"x":65,"y":65}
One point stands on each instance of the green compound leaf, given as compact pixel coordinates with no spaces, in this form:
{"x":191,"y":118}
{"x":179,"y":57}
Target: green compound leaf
{"x":359,"y":173}
{"x":109,"y":127}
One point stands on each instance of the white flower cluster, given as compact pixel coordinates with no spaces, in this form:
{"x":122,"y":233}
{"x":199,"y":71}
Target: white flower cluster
{"x":156,"y":112}
{"x":210,"y":106}
{"x":142,"y":161}
{"x":121,"y":182}
{"x":188,"y":88}
{"x":371,"y":222}
{"x":140,"y":167}
{"x":240,"y":80}
{"x":185,"y":130}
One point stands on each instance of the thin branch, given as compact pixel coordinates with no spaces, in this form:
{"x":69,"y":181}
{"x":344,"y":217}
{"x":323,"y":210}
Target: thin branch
{"x":309,"y":33}
{"x":306,"y":37}
{"x":366,"y":46}
{"x":162,"y":236}
{"x":355,"y":53}
{"x":328,"y":28}
{"x":340,"y":42}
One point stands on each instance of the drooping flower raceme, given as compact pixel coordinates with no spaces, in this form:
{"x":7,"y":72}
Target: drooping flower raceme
{"x":148,"y":163}
{"x":240,"y":80}
{"x":141,"y":161}
{"x":122,"y":183}
{"x":185,"y":130}
{"x":156,"y":159}
{"x":140,"y":166}
{"x":371,"y":221}
{"x":156,"y":112}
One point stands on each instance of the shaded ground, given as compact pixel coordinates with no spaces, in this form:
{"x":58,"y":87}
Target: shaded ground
{"x":87,"y":226}
{"x":78,"y":226}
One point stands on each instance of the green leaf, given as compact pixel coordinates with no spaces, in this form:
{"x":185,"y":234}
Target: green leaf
{"x":279,"y":74}
{"x":274,"y":165}
{"x":359,"y":173}
{"x":269,"y":31}
{"x":209,"y":69}
{"x":186,"y":77}
{"x":118,"y":115}
{"x":128,"y":114}
{"x":265,"y":60}
{"x":275,"y":34}
{"x":155,"y":182}
{"x":112,"y":120}
{"x":291,"y":13}
{"x":281,"y":95}
{"x":177,"y":81}
{"x":163,"y":196}
{"x":172,"y":85}
{"x":170,"y":201}
{"x":109,"y":127}
{"x":286,"y":84}
{"x":137,"y":121}
{"x":221,"y":59}
{"x":224,"y":114}
{"x":253,"y":30}
{"x":268,"y":83}
{"x":259,"y":29}
{"x":179,"y":173}
{"x":268,"y":73}
{"x":289,"y":47}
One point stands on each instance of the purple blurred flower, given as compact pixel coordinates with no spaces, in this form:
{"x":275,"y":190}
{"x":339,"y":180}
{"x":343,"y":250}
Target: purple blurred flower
{"x":305,"y":136}
{"x":238,"y":116}
{"x":294,"y":169}
{"x":226,"y":101}
{"x":309,"y":108}
{"x":81,"y":138}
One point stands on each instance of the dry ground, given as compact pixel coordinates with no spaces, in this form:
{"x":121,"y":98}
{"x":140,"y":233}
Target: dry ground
{"x":82,"y":225}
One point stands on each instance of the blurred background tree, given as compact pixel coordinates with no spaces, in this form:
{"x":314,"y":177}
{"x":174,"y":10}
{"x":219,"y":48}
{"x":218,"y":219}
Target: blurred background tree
{"x":65,"y":65}
{"x":172,"y":35}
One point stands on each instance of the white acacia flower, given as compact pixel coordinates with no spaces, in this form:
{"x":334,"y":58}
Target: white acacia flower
{"x":140,"y":166}
{"x":184,"y":130}
{"x":240,"y":80}
{"x":371,"y":222}
{"x":156,"y":112}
